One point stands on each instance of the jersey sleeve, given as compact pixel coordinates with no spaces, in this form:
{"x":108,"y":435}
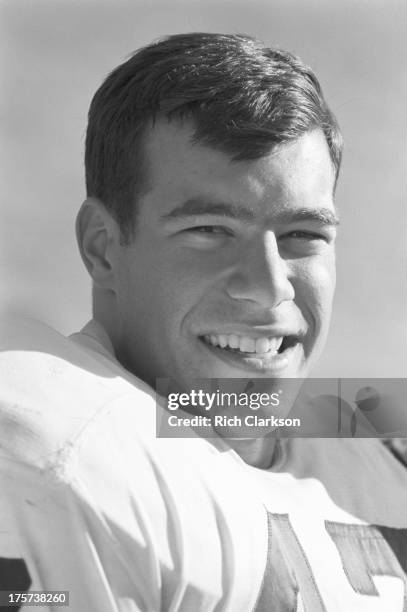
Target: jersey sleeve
{"x":52,"y":538}
{"x":64,"y":511}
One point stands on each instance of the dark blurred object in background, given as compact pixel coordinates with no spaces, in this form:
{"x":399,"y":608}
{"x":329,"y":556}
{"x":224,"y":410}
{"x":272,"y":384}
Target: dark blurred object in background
{"x":398,"y":446}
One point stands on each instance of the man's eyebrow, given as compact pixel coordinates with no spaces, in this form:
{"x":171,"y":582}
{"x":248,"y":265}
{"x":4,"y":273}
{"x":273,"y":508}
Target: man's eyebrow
{"x":200,"y":207}
{"x":324,"y":216}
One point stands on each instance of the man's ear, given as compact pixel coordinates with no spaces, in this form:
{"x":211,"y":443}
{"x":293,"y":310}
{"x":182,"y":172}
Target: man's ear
{"x":97,"y":234}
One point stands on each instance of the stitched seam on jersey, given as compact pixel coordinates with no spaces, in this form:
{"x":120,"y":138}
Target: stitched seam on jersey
{"x":366,"y":532}
{"x":268,"y":556}
{"x":60,"y":466}
{"x":311,"y":573}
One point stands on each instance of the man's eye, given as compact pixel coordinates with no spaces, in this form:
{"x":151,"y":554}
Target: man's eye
{"x":305,"y":235}
{"x":208,"y":229}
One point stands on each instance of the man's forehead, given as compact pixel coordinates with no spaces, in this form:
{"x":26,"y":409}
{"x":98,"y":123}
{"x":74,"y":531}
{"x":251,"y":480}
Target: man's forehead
{"x":184,"y":171}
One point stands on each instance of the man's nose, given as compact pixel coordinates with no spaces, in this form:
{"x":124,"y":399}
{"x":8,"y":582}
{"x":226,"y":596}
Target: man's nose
{"x":261,"y":275}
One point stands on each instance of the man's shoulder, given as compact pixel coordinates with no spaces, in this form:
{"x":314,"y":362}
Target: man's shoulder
{"x":359,"y":474}
{"x":52,"y":390}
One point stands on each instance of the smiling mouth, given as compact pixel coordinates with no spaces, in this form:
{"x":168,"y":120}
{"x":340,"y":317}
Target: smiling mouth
{"x":251,"y":347}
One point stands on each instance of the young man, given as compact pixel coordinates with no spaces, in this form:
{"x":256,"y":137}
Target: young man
{"x":209,"y":233}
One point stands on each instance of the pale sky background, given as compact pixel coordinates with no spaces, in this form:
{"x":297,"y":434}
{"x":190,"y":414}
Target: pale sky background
{"x":56,"y":53}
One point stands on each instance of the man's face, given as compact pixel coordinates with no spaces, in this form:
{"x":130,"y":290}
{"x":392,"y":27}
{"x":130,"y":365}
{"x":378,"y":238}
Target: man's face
{"x":232,"y":269}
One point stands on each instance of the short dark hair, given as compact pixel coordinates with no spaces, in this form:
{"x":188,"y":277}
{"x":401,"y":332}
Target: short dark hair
{"x":242,"y":96}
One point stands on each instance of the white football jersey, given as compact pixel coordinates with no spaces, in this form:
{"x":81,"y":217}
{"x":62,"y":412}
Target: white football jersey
{"x":93,"y":503}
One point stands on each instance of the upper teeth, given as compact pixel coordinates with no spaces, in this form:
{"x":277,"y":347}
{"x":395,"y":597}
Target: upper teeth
{"x":244,"y":343}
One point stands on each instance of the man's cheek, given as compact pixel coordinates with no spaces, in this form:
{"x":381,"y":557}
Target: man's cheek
{"x":329,"y":284}
{"x":322,"y":278}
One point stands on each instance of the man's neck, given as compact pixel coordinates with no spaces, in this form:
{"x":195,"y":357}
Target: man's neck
{"x":258,"y":452}
{"x":104,"y":312}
